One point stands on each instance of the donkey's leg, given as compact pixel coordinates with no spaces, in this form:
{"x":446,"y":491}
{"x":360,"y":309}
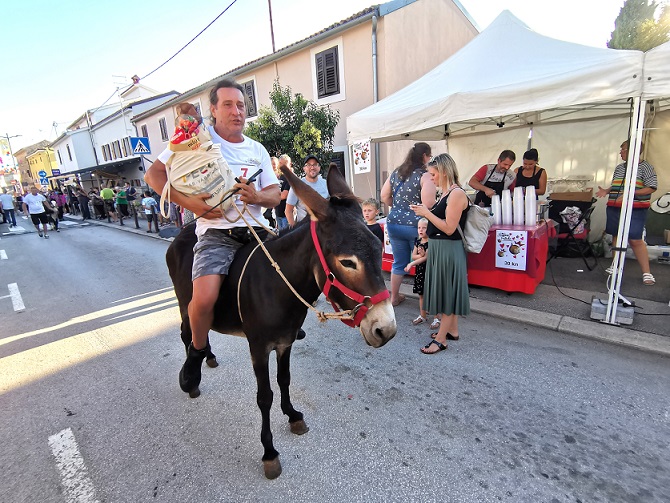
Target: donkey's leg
{"x":295,"y":418}
{"x":259,"y":358}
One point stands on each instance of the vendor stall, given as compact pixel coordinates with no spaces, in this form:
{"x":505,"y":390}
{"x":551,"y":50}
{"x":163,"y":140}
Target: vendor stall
{"x":513,"y":258}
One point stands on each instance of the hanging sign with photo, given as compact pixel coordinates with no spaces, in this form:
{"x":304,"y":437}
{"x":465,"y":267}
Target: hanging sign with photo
{"x":511,"y":249}
{"x":362,"y":157}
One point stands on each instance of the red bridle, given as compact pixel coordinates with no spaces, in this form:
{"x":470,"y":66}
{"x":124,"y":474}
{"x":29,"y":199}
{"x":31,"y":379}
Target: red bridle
{"x":364,"y":302}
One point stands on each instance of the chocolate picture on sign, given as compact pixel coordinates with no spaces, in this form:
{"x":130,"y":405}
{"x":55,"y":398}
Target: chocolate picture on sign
{"x":512,"y":247}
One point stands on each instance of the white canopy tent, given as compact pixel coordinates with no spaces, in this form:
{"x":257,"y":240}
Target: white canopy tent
{"x":505,"y":73}
{"x":511,"y":76}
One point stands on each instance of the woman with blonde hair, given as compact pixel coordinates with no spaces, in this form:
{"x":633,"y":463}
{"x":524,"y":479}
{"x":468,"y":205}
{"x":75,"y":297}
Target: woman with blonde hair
{"x":446,"y":285}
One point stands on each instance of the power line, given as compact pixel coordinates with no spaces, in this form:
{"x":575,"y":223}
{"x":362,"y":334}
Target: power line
{"x":168,"y":60}
{"x":189,"y":42}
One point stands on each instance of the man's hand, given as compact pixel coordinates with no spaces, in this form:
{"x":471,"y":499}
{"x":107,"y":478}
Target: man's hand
{"x":489,"y":191}
{"x":602,"y":192}
{"x":247,"y":193}
{"x":200,"y":208}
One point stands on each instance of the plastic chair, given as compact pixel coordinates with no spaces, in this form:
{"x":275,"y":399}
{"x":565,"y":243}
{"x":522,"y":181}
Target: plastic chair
{"x":571,"y":243}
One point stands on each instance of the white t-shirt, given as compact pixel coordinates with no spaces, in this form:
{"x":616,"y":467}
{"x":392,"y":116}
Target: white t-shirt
{"x":148,"y":202}
{"x":34,"y":203}
{"x":320,"y":185}
{"x":244,"y":159}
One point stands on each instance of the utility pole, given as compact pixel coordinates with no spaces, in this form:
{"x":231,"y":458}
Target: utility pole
{"x":272,"y":31}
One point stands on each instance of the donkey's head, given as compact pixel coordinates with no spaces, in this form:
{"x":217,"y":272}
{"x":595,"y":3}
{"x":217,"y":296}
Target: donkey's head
{"x":352,"y":255}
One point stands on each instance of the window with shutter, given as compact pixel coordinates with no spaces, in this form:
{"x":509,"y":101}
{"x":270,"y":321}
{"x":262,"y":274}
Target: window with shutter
{"x":327,"y":72}
{"x":144,"y":131}
{"x":250,"y":99}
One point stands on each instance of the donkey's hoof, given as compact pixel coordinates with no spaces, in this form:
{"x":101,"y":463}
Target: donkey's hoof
{"x":299,"y":427}
{"x":212,"y":363}
{"x":194,"y":393}
{"x":272,"y":468}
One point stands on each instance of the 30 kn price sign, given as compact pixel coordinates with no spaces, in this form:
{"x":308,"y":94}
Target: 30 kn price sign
{"x":511,"y":248}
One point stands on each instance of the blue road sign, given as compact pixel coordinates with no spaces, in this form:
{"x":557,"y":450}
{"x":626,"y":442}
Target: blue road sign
{"x":44,"y":181}
{"x":42,"y":174}
{"x":140,"y":145}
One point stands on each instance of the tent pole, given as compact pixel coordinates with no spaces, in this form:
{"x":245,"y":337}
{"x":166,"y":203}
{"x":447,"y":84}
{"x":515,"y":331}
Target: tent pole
{"x":614,"y":285}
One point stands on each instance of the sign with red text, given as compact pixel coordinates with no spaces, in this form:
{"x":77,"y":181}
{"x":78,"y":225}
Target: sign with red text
{"x":511,"y":249}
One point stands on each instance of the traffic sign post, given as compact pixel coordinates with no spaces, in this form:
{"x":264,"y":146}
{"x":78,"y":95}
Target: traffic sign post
{"x":140,"y":145}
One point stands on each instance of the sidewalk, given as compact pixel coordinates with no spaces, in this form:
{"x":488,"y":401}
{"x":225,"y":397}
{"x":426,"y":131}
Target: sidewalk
{"x":562,"y":302}
{"x":165,"y":233}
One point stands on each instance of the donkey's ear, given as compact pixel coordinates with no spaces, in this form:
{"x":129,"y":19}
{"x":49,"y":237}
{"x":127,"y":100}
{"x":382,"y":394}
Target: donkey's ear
{"x":315,"y":203}
{"x":337,"y":185}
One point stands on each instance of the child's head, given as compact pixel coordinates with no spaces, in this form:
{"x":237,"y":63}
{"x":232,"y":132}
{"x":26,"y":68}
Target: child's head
{"x":422,"y":227}
{"x":370,"y":210}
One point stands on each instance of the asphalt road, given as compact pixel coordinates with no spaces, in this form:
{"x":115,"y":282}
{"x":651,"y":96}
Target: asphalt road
{"x":90,"y":406}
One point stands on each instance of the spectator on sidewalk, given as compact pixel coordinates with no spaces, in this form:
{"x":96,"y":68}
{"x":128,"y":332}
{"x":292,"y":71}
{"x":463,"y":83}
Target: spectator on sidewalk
{"x":83,"y":199}
{"x":107,"y":196}
{"x":7,"y":206}
{"x":646,"y":184}
{"x":98,"y":203}
{"x":150,"y":209}
{"x":121,"y":204}
{"x":314,"y":180}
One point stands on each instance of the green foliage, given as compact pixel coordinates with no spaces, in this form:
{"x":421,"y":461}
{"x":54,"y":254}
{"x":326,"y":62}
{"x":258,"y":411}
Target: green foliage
{"x":295,"y":126}
{"x":638,"y":27}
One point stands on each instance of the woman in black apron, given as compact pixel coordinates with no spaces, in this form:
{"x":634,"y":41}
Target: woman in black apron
{"x":492,"y":179}
{"x":530,"y":174}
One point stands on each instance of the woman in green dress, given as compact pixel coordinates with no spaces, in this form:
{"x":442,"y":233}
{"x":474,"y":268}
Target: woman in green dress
{"x":446,"y":286}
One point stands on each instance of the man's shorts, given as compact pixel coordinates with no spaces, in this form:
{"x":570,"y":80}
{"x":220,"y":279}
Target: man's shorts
{"x":637,"y":220}
{"x":213,"y":253}
{"x":38,"y":218}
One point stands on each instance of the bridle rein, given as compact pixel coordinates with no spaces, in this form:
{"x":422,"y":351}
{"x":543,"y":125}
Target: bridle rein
{"x":364,"y":302}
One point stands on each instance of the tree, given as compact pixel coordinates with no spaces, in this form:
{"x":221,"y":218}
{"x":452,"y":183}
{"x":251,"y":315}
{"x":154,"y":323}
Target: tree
{"x":637,"y":27}
{"x":295,"y":126}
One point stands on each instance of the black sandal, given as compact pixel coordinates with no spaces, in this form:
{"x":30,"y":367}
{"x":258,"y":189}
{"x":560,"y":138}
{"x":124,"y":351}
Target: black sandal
{"x":441,"y":347}
{"x":449,"y":336}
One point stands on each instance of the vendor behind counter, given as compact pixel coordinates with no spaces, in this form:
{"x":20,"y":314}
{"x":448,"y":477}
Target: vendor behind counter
{"x":492,"y":179}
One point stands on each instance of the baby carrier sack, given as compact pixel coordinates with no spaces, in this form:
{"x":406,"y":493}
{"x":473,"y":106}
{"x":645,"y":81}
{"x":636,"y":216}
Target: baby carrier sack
{"x":196,"y":166}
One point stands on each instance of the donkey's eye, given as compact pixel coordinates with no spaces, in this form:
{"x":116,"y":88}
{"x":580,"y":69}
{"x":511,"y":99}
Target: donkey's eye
{"x":349,"y":264}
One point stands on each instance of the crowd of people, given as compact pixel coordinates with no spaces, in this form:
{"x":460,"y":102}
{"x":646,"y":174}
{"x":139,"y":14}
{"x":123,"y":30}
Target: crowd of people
{"x":428,"y":205}
{"x":112,"y":203}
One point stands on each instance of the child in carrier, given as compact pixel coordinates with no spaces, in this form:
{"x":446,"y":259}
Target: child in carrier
{"x":419,"y":257}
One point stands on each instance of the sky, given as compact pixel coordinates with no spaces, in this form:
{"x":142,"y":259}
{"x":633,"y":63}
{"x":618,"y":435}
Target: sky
{"x":63,"y":58}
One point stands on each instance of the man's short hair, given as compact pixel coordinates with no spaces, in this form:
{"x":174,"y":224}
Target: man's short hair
{"x":223,"y":84}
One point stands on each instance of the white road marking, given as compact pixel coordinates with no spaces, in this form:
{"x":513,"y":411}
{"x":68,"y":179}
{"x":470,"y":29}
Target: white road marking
{"x":14,"y":293}
{"x":3,"y":255}
{"x":74,"y":475}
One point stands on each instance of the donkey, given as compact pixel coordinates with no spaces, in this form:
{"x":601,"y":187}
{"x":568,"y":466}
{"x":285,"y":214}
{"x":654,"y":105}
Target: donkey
{"x":331,"y":251}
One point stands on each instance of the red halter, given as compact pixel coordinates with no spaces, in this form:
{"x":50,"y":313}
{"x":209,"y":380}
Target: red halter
{"x":364,"y":302}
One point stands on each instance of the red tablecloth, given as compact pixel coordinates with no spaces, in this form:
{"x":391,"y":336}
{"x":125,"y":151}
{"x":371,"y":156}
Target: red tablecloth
{"x":482,"y":270}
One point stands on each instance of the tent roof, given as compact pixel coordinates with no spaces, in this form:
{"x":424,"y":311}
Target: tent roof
{"x":657,"y":72}
{"x":507,"y":69}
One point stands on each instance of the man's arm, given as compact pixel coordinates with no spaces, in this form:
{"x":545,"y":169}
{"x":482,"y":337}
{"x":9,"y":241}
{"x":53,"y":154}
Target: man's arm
{"x":289,"y":214}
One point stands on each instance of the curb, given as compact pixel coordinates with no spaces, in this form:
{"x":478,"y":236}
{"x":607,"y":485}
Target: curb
{"x":129,"y":227}
{"x":611,"y":334}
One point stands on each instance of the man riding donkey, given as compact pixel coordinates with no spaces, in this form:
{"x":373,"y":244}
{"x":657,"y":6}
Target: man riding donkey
{"x":220,"y":233}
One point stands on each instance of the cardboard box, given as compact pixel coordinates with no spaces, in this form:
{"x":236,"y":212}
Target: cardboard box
{"x":666,"y":233}
{"x":587,"y":195}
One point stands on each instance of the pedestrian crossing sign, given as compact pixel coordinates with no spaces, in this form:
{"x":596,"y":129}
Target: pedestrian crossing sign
{"x":140,"y":145}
